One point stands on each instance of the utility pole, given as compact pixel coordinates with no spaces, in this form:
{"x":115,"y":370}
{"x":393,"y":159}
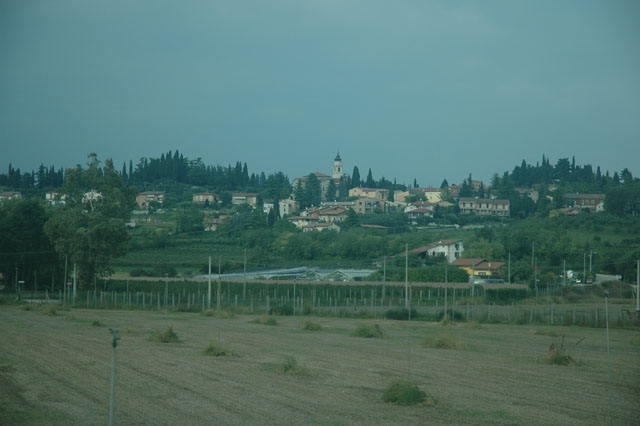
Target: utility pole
{"x":74,"y":284}
{"x":35,"y":283}
{"x":406,"y":275}
{"x":564,"y":273}
{"x":533,"y":252}
{"x":114,"y":344}
{"x":638,"y":289}
{"x":509,"y":280}
{"x":209,"y":291}
{"x":166,"y":295}
{"x":64,"y":282}
{"x":584,"y":269}
{"x":535,"y":275}
{"x":384,"y":277}
{"x":219,"y":283}
{"x":244,"y":285}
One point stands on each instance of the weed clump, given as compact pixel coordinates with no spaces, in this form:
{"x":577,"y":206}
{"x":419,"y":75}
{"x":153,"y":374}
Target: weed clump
{"x":265,"y":320}
{"x":557,"y":354}
{"x":49,"y":309}
{"x":474,"y":324}
{"x":166,"y":335}
{"x":69,"y":317}
{"x":368,"y":331}
{"x":546,"y":332}
{"x":290,"y":366}
{"x":216,"y":349}
{"x":96,"y":323}
{"x":311,"y":326}
{"x":218,"y":314}
{"x":281,"y":310}
{"x":444,"y":341}
{"x":404,"y":393}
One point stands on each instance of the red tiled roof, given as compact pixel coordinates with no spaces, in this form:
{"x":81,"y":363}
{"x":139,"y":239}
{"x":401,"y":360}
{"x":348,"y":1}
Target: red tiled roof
{"x":374,"y":226}
{"x":467,"y":262}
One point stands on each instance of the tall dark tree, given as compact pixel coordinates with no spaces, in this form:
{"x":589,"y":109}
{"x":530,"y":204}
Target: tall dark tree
{"x":369,"y":182}
{"x":355,"y":177}
{"x":444,"y":184}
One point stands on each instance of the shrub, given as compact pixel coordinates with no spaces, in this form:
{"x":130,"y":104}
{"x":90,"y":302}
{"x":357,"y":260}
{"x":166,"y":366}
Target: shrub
{"x":403,"y":392}
{"x":166,"y":335}
{"x":290,"y":366}
{"x":444,"y":341}
{"x":311,"y":326}
{"x":281,"y":310}
{"x":96,"y":323}
{"x":401,"y":314}
{"x":215,"y":349}
{"x":368,"y":331}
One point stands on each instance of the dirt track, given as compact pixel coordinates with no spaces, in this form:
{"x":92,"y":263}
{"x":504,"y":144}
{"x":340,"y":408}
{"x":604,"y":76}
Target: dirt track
{"x":56,"y":371}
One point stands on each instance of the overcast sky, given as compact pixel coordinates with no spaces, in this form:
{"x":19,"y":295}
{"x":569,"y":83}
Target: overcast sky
{"x":424,"y":89}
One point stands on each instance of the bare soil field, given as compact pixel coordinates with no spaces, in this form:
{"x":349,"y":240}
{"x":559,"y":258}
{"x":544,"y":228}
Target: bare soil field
{"x":56,"y":370}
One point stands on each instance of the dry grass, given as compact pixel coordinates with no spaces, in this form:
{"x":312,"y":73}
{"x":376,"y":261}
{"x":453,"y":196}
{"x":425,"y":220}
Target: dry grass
{"x":49,"y":309}
{"x":166,"y":335}
{"x":444,"y":341}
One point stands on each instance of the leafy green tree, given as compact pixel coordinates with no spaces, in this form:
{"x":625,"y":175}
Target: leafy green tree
{"x":23,"y":242}
{"x":189,"y":218}
{"x":90,"y":228}
{"x":352,"y":220}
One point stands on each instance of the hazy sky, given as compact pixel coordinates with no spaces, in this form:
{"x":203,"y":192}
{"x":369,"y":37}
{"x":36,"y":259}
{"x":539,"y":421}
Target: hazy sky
{"x":424,"y":89}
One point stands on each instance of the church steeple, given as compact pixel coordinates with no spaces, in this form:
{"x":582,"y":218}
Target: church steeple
{"x":337,"y":167}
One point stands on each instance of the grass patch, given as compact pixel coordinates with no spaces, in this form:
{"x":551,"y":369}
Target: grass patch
{"x":70,"y":317}
{"x":546,"y":332}
{"x":557,"y":354}
{"x":635,"y":341}
{"x":401,"y":314}
{"x":216,"y":349}
{"x":265,"y":320}
{"x":96,"y":323}
{"x":290,"y":366}
{"x":445,"y":341}
{"x":166,"y":335}
{"x":28,"y":307}
{"x":368,"y":331}
{"x":404,"y":393}
{"x":311,"y":326}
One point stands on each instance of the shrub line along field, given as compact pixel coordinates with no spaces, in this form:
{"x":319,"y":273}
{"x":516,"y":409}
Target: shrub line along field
{"x":55,"y":369}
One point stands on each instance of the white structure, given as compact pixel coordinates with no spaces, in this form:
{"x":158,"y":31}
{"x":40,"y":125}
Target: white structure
{"x":337,"y":168}
{"x":451,"y":249}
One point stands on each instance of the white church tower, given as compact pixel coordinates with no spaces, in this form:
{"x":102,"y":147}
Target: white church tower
{"x":337,"y":167}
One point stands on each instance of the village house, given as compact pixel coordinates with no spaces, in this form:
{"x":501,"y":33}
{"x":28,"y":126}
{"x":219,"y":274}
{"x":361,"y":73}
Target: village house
{"x":450,"y":249}
{"x":213,"y":223}
{"x":592,"y":202}
{"x":321,"y":226}
{"x":203,"y":197}
{"x":302,"y":221}
{"x":144,"y":199}
{"x":239,"y":198}
{"x":329,"y":214}
{"x":268,"y":205}
{"x":484,"y":206}
{"x":288,"y":207}
{"x":368,"y":205}
{"x":479,"y":268}
{"x":54,"y":198}
{"x":9,"y":195}
{"x":373,"y":193}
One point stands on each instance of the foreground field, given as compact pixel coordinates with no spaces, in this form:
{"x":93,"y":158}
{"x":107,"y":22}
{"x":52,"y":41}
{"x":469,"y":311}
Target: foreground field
{"x":56,"y":370}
